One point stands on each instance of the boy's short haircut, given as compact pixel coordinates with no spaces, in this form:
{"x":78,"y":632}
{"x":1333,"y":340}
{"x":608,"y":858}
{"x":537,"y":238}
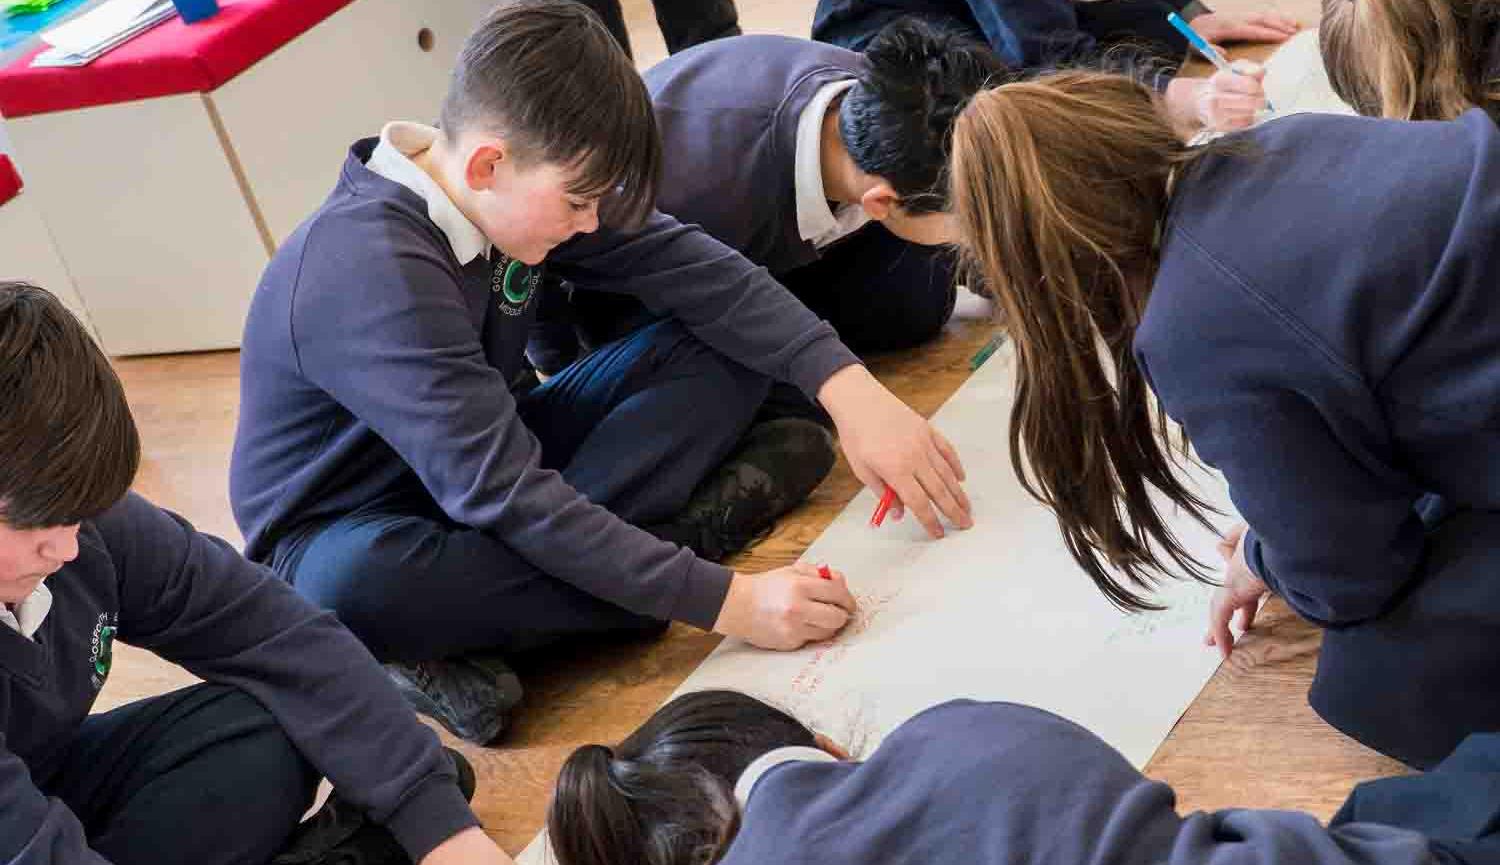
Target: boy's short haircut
{"x":68,"y":445}
{"x":897,"y":122}
{"x":548,"y":77}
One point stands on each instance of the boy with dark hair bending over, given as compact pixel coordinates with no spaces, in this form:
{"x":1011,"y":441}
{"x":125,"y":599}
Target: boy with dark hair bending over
{"x":290,"y":695}
{"x":396,"y":460}
{"x":824,"y":166}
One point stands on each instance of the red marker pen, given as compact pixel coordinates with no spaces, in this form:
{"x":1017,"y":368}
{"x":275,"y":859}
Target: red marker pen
{"x":886,"y":501}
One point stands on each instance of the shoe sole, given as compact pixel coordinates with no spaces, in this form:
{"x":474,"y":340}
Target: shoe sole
{"x":425,"y":705}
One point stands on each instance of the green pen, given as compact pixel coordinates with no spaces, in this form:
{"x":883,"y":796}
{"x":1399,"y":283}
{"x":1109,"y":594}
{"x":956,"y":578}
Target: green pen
{"x":984,"y":353}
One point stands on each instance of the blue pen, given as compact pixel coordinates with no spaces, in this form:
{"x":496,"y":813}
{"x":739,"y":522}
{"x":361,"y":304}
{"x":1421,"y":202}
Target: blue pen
{"x":1202,"y":47}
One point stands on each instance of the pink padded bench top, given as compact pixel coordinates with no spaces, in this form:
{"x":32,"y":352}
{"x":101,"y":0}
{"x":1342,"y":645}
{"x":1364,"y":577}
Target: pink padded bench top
{"x":170,"y":59}
{"x":10,"y":181}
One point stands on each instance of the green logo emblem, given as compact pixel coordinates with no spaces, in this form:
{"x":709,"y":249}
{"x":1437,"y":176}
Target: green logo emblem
{"x":517,"y":282}
{"x":104,"y":654}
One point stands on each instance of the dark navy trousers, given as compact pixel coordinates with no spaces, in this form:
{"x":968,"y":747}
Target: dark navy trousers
{"x":1413,"y":682}
{"x":200,"y":776}
{"x":878,"y":291}
{"x":635,"y":426}
{"x":684,"y":23}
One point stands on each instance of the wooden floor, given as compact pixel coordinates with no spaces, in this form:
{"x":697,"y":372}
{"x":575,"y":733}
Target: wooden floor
{"x":1249,"y":740}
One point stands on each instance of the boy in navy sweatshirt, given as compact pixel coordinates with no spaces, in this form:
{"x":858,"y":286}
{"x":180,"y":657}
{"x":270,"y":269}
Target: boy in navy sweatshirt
{"x":214,"y":773}
{"x":822,"y":165}
{"x":396,"y":460}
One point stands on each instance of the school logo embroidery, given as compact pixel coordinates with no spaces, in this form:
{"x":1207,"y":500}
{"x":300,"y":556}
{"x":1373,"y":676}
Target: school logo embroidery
{"x":515,"y":283}
{"x":103,"y":648}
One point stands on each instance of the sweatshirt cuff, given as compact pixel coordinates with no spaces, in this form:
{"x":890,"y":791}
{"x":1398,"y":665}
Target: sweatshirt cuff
{"x":702,"y":595}
{"x":818,"y":361}
{"x":1255,"y":560}
{"x":430,"y":815}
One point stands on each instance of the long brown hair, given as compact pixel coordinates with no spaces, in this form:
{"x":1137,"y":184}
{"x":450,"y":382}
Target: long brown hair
{"x":1060,"y":185}
{"x":1412,"y":59}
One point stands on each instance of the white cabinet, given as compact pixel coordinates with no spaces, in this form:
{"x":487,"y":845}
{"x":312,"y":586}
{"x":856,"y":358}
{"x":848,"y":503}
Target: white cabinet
{"x":165,"y":211}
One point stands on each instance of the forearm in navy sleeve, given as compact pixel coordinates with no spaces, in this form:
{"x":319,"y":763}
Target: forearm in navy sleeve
{"x":36,"y":830}
{"x":725,"y":300}
{"x":1327,"y":533}
{"x":193,"y":600}
{"x":406,"y":360}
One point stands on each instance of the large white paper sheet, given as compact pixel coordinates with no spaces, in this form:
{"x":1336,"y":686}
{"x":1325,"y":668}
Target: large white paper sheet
{"x":1296,"y":82}
{"x":999,"y":612}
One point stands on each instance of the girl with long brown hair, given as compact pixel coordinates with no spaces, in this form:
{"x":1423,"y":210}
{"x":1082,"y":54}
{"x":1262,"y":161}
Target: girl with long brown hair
{"x":1314,"y":301}
{"x":1413,"y":59}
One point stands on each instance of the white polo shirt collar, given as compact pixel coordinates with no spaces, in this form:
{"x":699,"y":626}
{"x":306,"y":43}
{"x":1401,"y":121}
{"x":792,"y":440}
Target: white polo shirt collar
{"x":28,"y":616}
{"x":770,"y":760}
{"x":392,"y":159}
{"x":817,"y":223}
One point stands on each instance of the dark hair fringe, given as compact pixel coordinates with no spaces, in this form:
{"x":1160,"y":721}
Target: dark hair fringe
{"x":70,"y":444}
{"x":897,"y":121}
{"x":548,"y":76}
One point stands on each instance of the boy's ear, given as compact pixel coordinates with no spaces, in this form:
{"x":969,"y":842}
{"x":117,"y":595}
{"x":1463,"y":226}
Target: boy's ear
{"x":484,"y":160}
{"x":880,"y":200}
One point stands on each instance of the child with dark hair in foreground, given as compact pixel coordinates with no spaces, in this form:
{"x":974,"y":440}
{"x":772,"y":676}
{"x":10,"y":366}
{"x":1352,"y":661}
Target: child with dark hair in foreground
{"x":219,"y":772}
{"x":719,"y":776}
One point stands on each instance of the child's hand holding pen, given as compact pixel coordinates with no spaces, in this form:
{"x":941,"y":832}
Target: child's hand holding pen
{"x":1232,"y":97}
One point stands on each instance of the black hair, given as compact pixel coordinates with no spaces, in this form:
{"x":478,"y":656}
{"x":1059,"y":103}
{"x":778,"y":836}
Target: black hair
{"x":70,"y":445}
{"x":897,"y":121}
{"x":665,"y":796}
{"x":548,"y":76}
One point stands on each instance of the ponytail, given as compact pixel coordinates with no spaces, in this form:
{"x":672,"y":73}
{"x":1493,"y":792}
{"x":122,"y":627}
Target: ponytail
{"x":1061,"y":186}
{"x":617,"y":812}
{"x":666,"y":797}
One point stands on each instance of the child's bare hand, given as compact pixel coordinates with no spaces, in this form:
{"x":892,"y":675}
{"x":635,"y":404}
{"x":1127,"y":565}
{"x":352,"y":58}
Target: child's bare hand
{"x":786,"y":608}
{"x":469,"y":847}
{"x":1227,"y":101}
{"x":1233,"y":97}
{"x":1241,"y":593}
{"x":1221,"y":27}
{"x":889,"y":445}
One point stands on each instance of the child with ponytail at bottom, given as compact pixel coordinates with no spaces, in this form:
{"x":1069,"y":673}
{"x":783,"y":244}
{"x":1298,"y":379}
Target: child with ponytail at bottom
{"x":719,"y":776}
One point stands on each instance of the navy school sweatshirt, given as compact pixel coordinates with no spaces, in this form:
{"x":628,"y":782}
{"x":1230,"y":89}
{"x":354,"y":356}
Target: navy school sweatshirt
{"x":1002,"y":784}
{"x":145,"y":577}
{"x":369,"y":368}
{"x":728,"y":112}
{"x":1325,"y":323}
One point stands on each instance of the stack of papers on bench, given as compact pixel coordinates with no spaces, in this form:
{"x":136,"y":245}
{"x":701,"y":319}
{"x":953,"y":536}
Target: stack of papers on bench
{"x":80,"y":41}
